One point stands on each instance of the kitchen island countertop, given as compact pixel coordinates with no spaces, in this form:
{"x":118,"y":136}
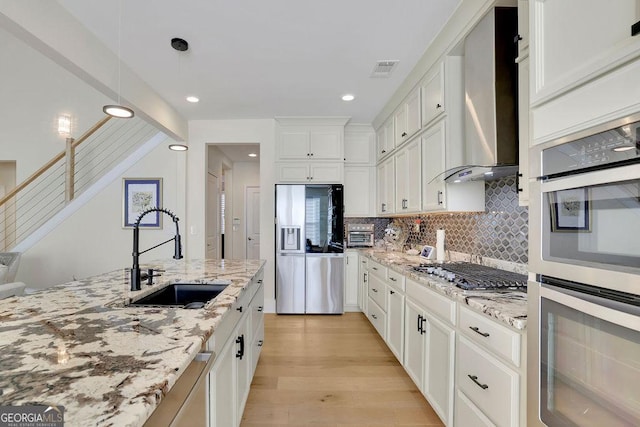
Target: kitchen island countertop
{"x":509,"y":307}
{"x":79,"y":346}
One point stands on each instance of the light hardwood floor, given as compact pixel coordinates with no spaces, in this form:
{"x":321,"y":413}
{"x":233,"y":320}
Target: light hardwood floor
{"x":331,"y":371}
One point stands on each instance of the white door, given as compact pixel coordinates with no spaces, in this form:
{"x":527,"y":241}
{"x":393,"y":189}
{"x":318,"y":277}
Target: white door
{"x":213,"y":214}
{"x":252,"y":203}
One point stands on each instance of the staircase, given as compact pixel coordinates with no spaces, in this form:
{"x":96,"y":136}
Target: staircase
{"x":62,"y":185}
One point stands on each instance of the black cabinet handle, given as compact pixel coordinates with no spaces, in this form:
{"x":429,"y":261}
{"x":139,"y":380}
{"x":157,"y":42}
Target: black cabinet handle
{"x":384,"y":207}
{"x":391,"y":292}
{"x":311,"y":154}
{"x":260,"y":342}
{"x":374,"y":316}
{"x":240,"y":352}
{"x":474,"y":378}
{"x":364,"y":278}
{"x":374,"y":268}
{"x":517,"y":38}
{"x":307,"y":154}
{"x":259,"y":280}
{"x":477,"y":331}
{"x":404,"y":134}
{"x":239,"y":309}
{"x":438,"y":106}
{"x":518,"y":188}
{"x":420,"y":323}
{"x":424,"y":320}
{"x":259,"y":308}
{"x":384,"y":151}
{"x":374,"y":290}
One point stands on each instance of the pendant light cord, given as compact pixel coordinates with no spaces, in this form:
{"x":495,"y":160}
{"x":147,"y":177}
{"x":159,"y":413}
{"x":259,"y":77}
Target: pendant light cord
{"x":119,"y":43}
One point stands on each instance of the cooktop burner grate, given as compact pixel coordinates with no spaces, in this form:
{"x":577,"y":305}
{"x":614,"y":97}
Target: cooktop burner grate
{"x":470,"y":276}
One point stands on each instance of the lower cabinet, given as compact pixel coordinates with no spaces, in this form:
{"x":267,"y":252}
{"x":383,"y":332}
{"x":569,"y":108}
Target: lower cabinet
{"x":236,"y":343}
{"x":363,"y":286}
{"x":429,"y":358}
{"x":351,"y":282}
{"x":468,"y":366}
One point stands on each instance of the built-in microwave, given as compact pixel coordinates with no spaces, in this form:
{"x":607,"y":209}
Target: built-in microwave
{"x":585,"y":208}
{"x":583,"y":326}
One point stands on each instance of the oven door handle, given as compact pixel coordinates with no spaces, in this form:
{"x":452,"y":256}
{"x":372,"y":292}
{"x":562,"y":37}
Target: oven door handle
{"x":615,"y":312}
{"x":587,"y":179}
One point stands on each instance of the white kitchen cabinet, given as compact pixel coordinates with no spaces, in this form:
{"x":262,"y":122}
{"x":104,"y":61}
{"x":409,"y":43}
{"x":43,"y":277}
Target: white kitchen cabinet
{"x":232,"y":371}
{"x":407,"y":118}
{"x":385,"y":139}
{"x":414,"y":343}
{"x":433,"y":95}
{"x":433,"y":165}
{"x":523,"y":131}
{"x":359,"y":194}
{"x":351,"y":282}
{"x":523,"y":28}
{"x":429,"y":357}
{"x":439,"y":370}
{"x":359,"y":145}
{"x":489,"y":384}
{"x":310,"y":172}
{"x":363,"y":288}
{"x":467,"y":414}
{"x":408,"y":178}
{"x":395,"y":322}
{"x":385,"y":177}
{"x":573,"y":42}
{"x":310,"y":143}
{"x":436,"y":194}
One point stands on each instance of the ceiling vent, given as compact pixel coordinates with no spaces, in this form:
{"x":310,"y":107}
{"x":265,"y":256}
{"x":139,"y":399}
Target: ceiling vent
{"x":384,"y":68}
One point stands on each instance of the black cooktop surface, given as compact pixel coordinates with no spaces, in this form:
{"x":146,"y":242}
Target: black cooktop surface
{"x":475,"y":277}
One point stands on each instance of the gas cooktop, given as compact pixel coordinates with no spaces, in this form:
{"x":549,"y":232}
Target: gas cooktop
{"x":475,"y":277}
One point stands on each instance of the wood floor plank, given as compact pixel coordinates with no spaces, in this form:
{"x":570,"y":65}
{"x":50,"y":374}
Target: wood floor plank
{"x":331,"y":371}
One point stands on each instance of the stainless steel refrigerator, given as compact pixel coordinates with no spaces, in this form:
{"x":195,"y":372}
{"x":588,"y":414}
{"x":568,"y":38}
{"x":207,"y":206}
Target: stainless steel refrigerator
{"x":309,"y":249}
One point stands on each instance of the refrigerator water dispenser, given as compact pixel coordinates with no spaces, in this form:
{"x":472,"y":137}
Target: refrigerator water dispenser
{"x":290,"y":238}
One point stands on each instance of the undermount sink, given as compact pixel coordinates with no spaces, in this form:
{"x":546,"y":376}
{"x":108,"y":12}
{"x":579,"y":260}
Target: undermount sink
{"x":183,"y":295}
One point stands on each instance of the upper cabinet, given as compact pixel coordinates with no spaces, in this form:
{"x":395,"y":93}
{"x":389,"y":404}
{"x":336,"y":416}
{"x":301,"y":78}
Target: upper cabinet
{"x":317,"y":141}
{"x":407,"y":118}
{"x":359,"y":145}
{"x":433,"y":95}
{"x":385,"y":139}
{"x":584,"y":65}
{"x":573,"y":42}
{"x":523,"y":28}
{"x":408,"y":178}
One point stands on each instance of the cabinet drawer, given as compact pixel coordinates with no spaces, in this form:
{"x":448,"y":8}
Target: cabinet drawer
{"x":378,"y":291}
{"x":486,"y":332}
{"x":377,"y":269}
{"x":256,"y":347}
{"x":488,"y":383}
{"x":434,"y":303}
{"x":377,"y":317}
{"x":395,"y":280}
{"x":467,"y":414}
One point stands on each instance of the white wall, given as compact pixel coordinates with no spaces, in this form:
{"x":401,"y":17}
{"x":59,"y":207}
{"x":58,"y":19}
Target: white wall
{"x":203,"y":132}
{"x":92,"y":240}
{"x":244,"y":174}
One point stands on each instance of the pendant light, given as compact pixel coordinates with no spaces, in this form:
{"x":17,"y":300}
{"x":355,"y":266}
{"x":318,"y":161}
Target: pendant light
{"x":118,"y":110}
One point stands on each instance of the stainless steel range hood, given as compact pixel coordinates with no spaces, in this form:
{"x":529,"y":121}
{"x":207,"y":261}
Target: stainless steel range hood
{"x":491,"y":88}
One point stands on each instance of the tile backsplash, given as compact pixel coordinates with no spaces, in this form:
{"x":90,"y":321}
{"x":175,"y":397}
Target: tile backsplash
{"x":500,"y":232}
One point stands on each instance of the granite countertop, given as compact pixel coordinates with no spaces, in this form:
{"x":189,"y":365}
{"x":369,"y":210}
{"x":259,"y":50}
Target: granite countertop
{"x":79,"y":346}
{"x":509,"y":307}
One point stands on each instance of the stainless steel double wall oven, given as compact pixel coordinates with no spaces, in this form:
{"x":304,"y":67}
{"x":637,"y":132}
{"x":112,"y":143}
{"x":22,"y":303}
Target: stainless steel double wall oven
{"x":584,"y":310}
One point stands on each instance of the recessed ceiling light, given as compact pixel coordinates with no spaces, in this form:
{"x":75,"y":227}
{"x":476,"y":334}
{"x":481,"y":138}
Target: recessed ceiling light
{"x":348,"y":97}
{"x":253,"y":155}
{"x":178,"y":147}
{"x":193,"y":99}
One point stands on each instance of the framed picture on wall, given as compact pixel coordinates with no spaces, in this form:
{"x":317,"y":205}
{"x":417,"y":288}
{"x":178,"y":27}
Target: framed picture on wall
{"x":570,"y":210}
{"x":138,"y":195}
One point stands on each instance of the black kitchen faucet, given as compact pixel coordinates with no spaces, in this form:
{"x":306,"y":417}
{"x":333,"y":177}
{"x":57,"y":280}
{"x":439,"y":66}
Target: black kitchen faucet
{"x":135,"y":270}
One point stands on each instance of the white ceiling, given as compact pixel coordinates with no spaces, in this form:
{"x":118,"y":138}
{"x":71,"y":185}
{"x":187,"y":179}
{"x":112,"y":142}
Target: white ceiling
{"x":240,"y":152}
{"x":260,"y":59}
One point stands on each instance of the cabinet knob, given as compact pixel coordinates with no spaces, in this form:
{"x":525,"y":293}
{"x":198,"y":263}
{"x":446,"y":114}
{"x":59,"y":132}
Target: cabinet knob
{"x":374,"y":316}
{"x":384,"y":151}
{"x":404,"y":134}
{"x":391,"y":292}
{"x":374,"y":290}
{"x":308,"y":154}
{"x":311,"y":154}
{"x":517,"y":38}
{"x":438,"y":106}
